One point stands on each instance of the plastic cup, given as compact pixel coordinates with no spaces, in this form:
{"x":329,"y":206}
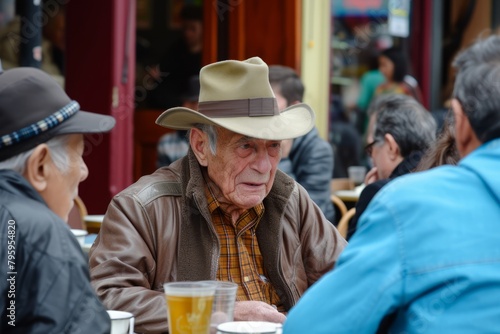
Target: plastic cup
{"x":357,"y":174}
{"x":189,"y":306}
{"x":223,"y":306}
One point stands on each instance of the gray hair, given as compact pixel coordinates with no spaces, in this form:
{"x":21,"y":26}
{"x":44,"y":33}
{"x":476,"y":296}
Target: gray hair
{"x":477,"y":86}
{"x":211,"y":131}
{"x":58,"y":151}
{"x":411,"y":125}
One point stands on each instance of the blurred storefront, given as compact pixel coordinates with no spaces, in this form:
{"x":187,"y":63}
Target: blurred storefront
{"x":112,"y":48}
{"x":429,"y":32}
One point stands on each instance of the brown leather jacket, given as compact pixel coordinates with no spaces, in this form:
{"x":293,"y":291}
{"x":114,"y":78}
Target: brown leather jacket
{"x":158,"y":230}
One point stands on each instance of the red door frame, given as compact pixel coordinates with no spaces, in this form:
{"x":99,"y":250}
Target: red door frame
{"x":100,"y":75}
{"x":421,"y":41}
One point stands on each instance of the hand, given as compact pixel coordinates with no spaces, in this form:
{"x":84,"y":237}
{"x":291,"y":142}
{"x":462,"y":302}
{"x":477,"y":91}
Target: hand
{"x":371,"y":176}
{"x":257,"y":311}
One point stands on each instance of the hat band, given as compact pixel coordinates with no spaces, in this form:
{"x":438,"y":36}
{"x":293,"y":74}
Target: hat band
{"x":39,"y":127}
{"x":256,"y":107}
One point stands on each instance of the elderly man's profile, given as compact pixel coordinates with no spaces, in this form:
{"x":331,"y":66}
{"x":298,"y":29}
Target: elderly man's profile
{"x":44,"y":284}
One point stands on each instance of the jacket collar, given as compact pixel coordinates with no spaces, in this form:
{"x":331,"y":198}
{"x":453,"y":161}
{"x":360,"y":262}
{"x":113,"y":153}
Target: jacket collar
{"x":408,"y":164}
{"x":15,"y":184}
{"x":197,"y":237}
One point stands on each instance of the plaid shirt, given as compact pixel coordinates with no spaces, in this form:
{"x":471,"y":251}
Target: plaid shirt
{"x":240,"y":259}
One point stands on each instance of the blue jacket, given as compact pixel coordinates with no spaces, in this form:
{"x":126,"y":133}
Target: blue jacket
{"x":425,"y":258}
{"x":310,"y":163}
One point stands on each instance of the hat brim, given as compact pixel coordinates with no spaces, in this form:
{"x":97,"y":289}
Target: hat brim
{"x":86,"y":122}
{"x":82,"y":122}
{"x":293,"y":122}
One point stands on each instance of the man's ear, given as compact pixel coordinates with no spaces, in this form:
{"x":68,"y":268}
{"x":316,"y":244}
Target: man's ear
{"x":465,"y":137}
{"x":394,"y":151}
{"x":199,"y":144}
{"x":37,"y":169}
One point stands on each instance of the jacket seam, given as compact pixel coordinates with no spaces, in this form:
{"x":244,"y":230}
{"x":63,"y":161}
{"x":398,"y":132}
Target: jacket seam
{"x":175,"y":192}
{"x":452,"y":265}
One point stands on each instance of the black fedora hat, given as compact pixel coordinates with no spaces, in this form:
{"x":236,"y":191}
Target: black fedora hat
{"x":35,"y":109}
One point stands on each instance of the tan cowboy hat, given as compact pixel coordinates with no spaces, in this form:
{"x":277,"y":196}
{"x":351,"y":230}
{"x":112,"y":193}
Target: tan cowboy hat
{"x":237,"y":96}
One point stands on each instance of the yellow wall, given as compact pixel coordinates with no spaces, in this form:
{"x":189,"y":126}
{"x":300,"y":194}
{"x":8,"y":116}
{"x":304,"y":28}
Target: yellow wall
{"x":315,"y":68}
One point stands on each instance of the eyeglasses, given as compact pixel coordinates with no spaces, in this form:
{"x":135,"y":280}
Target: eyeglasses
{"x":369,"y":148}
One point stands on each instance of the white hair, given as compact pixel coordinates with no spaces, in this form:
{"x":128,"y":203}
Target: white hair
{"x":58,"y":151}
{"x":211,"y":132}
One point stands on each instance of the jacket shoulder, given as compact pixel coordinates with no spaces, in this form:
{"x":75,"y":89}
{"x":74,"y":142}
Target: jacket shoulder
{"x":159,"y":189}
{"x":165,"y":181}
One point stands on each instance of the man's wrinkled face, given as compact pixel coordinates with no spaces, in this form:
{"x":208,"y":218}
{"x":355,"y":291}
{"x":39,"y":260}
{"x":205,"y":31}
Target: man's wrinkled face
{"x":243,"y":167}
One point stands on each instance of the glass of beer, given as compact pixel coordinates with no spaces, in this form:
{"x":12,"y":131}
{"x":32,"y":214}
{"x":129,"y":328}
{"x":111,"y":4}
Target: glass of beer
{"x":189,"y":306}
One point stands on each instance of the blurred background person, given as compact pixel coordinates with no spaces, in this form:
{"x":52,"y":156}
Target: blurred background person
{"x":307,"y":159}
{"x":53,"y":42}
{"x":181,"y":62}
{"x":444,"y":150}
{"x":394,"y":66}
{"x":54,"y":34}
{"x":175,"y":145}
{"x":368,"y":84}
{"x":345,"y":139}
{"x":400,"y":131}
{"x":426,"y":258}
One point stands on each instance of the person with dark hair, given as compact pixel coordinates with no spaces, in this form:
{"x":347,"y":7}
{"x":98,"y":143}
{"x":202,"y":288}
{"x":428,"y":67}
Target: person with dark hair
{"x":401,"y":130}
{"x":308,"y":159}
{"x":370,"y":80}
{"x":394,"y":66}
{"x":444,"y":150}
{"x":426,"y":256}
{"x":368,"y":84}
{"x":181,"y":62}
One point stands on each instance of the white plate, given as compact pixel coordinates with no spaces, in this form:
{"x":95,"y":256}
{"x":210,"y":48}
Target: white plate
{"x":79,"y":235}
{"x":94,"y":218}
{"x":249,"y":327}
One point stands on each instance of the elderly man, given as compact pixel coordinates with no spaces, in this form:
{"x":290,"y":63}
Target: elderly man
{"x":309,"y":159}
{"x":426,"y":257}
{"x":400,"y":132}
{"x":44,"y":285}
{"x":223,"y":212}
